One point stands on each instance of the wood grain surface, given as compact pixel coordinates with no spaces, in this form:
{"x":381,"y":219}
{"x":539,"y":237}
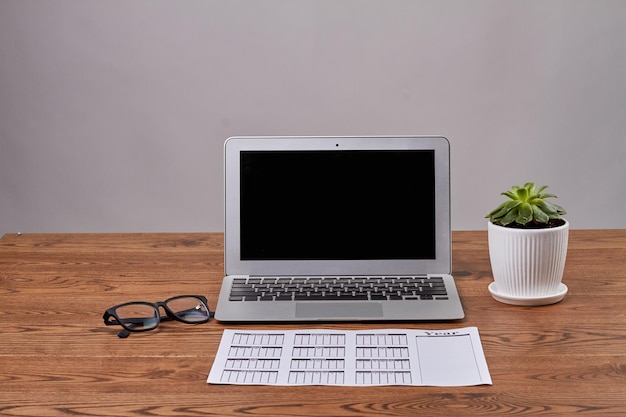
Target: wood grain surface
{"x":57,"y":358}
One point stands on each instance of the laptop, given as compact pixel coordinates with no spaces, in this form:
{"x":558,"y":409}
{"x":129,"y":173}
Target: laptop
{"x":337,"y":229}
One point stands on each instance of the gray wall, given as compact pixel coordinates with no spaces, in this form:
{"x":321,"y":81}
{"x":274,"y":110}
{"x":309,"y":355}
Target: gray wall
{"x":113,"y":113}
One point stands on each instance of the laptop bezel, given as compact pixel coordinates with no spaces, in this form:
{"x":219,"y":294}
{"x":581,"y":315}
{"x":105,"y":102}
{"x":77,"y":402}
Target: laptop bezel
{"x":233,"y":265}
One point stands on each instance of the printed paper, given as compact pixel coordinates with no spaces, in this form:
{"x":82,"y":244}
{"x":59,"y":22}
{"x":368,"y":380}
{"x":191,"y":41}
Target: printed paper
{"x":352,"y":358}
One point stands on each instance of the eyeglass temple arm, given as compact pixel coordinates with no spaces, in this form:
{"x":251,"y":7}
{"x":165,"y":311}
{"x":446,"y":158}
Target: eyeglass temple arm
{"x":109,"y":319}
{"x":169,"y":315}
{"x":123,"y":334}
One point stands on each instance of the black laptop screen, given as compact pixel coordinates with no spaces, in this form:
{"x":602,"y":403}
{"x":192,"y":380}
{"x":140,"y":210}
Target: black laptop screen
{"x":337,"y":205}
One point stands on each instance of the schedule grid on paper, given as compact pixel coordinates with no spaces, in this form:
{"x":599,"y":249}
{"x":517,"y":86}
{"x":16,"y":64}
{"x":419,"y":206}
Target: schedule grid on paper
{"x":355,"y":358}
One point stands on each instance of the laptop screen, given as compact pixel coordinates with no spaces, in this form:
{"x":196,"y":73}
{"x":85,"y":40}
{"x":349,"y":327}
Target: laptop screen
{"x":337,"y":204}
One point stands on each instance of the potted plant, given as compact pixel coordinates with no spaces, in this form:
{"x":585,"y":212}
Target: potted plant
{"x":527,"y":248}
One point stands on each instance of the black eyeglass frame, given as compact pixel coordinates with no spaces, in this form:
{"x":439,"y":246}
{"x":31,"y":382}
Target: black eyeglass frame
{"x":111,"y":318}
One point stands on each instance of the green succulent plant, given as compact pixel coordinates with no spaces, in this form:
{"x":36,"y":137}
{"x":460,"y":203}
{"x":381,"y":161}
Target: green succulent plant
{"x":526,"y":206}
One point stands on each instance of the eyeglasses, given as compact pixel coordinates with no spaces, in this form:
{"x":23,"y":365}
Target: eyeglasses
{"x":141,"y":316}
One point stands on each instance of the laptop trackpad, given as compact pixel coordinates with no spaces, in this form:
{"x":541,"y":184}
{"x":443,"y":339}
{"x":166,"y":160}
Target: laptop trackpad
{"x":352,"y":309}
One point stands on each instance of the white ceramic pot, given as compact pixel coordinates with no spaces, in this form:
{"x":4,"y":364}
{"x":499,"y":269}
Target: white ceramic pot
{"x":527,"y":264}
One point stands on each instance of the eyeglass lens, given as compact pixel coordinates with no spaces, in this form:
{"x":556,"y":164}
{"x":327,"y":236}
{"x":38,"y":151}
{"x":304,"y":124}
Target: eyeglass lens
{"x":138,"y":317}
{"x":188,"y":309}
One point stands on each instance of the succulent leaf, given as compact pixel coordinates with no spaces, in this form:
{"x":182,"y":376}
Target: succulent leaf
{"x":525,"y":213}
{"x":509,"y":217}
{"x":540,"y":215}
{"x":510,"y":194}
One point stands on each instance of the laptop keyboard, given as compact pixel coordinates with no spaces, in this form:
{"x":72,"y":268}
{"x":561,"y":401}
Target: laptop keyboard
{"x":338,"y":288}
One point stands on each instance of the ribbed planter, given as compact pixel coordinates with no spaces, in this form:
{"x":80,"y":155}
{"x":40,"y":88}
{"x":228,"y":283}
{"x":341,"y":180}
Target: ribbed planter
{"x":527,"y":264}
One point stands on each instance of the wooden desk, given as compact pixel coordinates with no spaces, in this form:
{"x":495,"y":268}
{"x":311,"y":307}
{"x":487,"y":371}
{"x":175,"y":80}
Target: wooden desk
{"x":57,"y":357}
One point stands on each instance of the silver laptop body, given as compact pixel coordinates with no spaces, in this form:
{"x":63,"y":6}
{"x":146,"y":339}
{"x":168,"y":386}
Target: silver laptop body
{"x":376,"y":208}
